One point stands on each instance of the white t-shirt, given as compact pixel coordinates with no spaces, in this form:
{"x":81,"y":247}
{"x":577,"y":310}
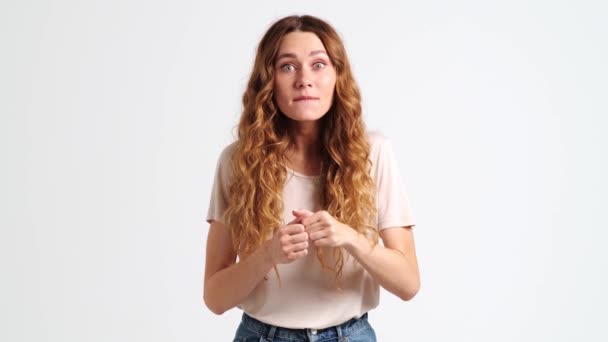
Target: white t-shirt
{"x":308,"y":297}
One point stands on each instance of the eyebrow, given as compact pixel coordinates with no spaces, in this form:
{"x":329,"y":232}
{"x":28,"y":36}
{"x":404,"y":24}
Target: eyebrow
{"x":292,"y":55}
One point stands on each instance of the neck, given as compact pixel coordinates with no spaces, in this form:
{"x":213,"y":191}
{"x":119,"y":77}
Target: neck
{"x":306,"y":138}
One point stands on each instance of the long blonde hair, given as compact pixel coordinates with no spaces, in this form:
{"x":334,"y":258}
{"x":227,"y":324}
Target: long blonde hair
{"x":258,"y":166}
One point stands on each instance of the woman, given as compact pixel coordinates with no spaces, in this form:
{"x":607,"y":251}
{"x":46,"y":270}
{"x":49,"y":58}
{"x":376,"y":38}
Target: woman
{"x":302,"y":197}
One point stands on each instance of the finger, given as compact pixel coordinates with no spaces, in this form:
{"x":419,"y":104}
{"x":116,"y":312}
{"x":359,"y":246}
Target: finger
{"x":297,"y":238}
{"x":295,"y":220}
{"x":318,"y":235}
{"x":315,"y":227}
{"x":291,"y":229}
{"x":296,"y":247}
{"x":316,"y":217}
{"x":287,"y":240}
{"x":297,"y":255}
{"x":301,"y":212}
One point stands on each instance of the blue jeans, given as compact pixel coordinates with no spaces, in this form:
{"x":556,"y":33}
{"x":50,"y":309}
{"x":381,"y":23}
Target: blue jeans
{"x":354,"y":330}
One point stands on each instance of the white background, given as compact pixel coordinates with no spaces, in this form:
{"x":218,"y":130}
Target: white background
{"x":113,"y":114}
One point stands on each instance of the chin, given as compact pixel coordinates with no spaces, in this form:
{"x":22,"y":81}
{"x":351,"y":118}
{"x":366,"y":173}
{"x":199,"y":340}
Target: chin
{"x":305,"y":116}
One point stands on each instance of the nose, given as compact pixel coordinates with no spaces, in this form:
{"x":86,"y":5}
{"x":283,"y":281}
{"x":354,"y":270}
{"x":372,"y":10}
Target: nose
{"x":303,"y":79}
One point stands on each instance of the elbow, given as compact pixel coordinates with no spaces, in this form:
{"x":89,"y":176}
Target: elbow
{"x":213,"y":307}
{"x":408,"y":293}
{"x":216,"y":310}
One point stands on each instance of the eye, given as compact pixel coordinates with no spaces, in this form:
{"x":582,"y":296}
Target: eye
{"x":318,"y":65}
{"x":288,"y":67}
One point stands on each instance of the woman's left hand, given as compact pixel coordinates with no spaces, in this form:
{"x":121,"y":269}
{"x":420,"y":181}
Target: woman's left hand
{"x":324,"y":230}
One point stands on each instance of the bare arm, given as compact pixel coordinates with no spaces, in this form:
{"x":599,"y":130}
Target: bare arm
{"x":227,"y":282}
{"x":394,"y":266}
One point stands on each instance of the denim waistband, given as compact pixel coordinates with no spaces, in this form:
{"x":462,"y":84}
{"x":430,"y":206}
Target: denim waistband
{"x":270,"y":331}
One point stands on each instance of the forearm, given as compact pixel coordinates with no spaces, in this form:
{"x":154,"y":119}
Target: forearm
{"x":389,"y":267}
{"x":230,"y":286}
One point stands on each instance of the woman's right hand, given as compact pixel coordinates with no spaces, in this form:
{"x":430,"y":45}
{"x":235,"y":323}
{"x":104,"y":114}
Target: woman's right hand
{"x":289,"y":243}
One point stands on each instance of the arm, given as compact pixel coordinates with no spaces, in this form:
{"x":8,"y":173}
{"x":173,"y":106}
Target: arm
{"x":394,"y":266}
{"x":227,"y":283}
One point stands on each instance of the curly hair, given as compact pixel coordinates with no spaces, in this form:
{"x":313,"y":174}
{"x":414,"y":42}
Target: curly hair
{"x":258,"y":165}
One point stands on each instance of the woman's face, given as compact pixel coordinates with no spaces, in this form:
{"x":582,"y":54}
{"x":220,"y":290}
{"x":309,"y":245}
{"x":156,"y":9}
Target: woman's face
{"x":304,"y":77}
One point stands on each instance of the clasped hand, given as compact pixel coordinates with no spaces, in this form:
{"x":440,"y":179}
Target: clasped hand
{"x":291,"y":241}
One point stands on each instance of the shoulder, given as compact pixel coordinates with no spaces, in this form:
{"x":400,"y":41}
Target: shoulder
{"x":227,"y":151}
{"x":225,"y":156}
{"x":381,"y":154}
{"x":224,"y":161}
{"x":377,"y":142}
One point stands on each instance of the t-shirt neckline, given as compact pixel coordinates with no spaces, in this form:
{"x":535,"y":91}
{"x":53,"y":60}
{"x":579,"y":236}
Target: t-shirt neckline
{"x":301,"y":175}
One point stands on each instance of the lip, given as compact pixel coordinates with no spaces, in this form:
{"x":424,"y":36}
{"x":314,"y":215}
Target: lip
{"x":302,"y":98}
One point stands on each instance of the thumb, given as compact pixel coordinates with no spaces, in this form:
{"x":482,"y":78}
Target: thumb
{"x":301,"y":213}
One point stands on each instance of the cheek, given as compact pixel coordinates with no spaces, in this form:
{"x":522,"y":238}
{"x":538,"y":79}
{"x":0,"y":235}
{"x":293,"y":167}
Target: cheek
{"x":279,"y":91}
{"x":328,"y":82}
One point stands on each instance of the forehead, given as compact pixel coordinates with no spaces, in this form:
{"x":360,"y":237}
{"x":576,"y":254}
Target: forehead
{"x":300,"y":43}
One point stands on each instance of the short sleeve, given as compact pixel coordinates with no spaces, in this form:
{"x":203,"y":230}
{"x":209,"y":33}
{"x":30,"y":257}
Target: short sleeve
{"x":392,"y":201}
{"x":218,"y":201}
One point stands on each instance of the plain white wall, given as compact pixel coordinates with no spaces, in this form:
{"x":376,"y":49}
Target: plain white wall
{"x":113,"y":114}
